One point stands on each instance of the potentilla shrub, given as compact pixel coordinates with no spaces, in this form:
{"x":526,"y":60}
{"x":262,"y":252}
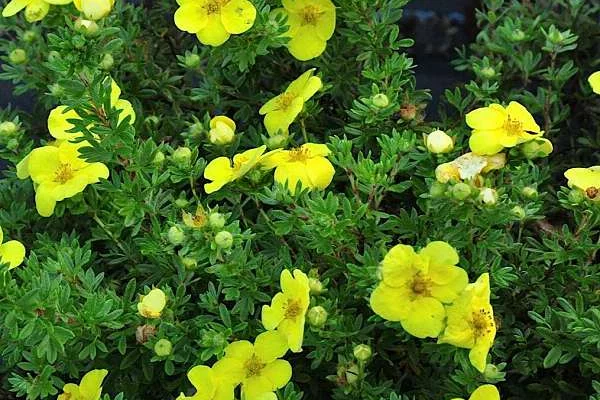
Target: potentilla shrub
{"x":245,"y":199}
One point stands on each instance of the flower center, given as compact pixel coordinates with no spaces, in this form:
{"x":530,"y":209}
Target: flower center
{"x":592,"y":192}
{"x":513,"y":127}
{"x":299,"y":154}
{"x":310,"y":15}
{"x":253,"y":366}
{"x":483,"y":322}
{"x":214,"y":6}
{"x":63,"y":174}
{"x":420,"y":286}
{"x":293,"y":309}
{"x":240,"y":160}
{"x":286,"y":100}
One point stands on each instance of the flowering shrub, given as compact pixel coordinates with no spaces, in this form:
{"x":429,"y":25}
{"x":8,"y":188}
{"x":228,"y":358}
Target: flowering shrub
{"x":266,"y":211}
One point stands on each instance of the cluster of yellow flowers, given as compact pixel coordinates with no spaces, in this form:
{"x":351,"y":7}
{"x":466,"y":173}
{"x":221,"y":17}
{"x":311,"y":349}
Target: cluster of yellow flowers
{"x":311,"y":23}
{"x":431,"y":297}
{"x":36,"y":10}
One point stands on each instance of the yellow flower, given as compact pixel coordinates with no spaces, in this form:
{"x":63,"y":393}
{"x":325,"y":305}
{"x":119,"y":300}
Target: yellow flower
{"x":586,"y":179}
{"x":152,"y":304}
{"x":94,"y":9}
{"x":470,"y":322}
{"x":35,"y":10}
{"x":256,"y":366}
{"x":11,"y":252}
{"x":311,"y":25}
{"x":283,"y":109}
{"x":58,"y":119}
{"x":469,"y":166}
{"x":198,"y":220}
{"x":288,"y":308}
{"x":415,"y":287}
{"x":484,"y":392}
{"x":208,"y":384}
{"x":306,"y":164}
{"x":439,"y":142}
{"x":446,"y":172}
{"x":221,"y":172}
{"x":214,"y":21}
{"x":90,"y":387}
{"x":594,"y":81}
{"x":496,"y":127}
{"x":58,"y":173}
{"x":222,"y":130}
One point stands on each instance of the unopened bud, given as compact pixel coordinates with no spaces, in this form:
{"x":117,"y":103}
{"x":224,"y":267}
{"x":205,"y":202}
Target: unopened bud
{"x":439,"y":142}
{"x":87,"y":27}
{"x":517,"y":35}
{"x":182,"y":155}
{"x":518,"y":212}
{"x":380,"y":100}
{"x":30,"y":36}
{"x":488,"y":196}
{"x":317,"y":316}
{"x":315,"y":286}
{"x":192,"y":61}
{"x":222,"y":130}
{"x":487,"y":72}
{"x":461,"y":191}
{"x":216,"y":220}
{"x":8,"y":128}
{"x":181,"y":202}
{"x":224,"y":239}
{"x":529,"y":192}
{"x":189,"y":262}
{"x":176,"y":235}
{"x":107,"y":62}
{"x":537,"y":148}
{"x":493,"y":373}
{"x":159,"y":157}
{"x":163,"y":348}
{"x":362,"y":352}
{"x":277,"y":142}
{"x":18,"y":56}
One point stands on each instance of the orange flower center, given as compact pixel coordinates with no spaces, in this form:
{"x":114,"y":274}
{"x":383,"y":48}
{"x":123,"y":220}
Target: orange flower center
{"x":483,"y":322}
{"x":253,"y":366}
{"x":293,"y":309}
{"x":310,"y":15}
{"x":513,"y":127}
{"x":299,"y":154}
{"x":420,"y":286}
{"x":63,"y":173}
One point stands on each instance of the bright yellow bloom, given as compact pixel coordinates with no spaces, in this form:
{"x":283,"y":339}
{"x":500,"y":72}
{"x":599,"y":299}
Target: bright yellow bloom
{"x":496,"y":127}
{"x":208,"y":384}
{"x":94,"y":9}
{"x":222,"y":130}
{"x":311,"y":25}
{"x":283,"y":109}
{"x":198,"y":220}
{"x":221,"y":172}
{"x":11,"y":252}
{"x":90,"y":387}
{"x":415,"y":287}
{"x":484,"y":392}
{"x":35,"y":10}
{"x":288,"y":308}
{"x":256,"y":366}
{"x":152,"y":304}
{"x":586,"y":179}
{"x":594,"y":81}
{"x":120,"y":104}
{"x":306,"y":164}
{"x":470,"y":322}
{"x":214,"y":21}
{"x":58,"y":173}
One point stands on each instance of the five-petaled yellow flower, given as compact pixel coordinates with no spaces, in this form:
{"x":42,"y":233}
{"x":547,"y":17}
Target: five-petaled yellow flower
{"x":496,"y":127}
{"x":470,"y":322}
{"x":35,"y":10}
{"x":283,"y":109}
{"x":484,"y":392}
{"x":58,"y":173}
{"x":214,"y":21}
{"x":90,"y":387}
{"x":208,"y":384}
{"x":11,"y":252}
{"x":288,"y":308}
{"x":586,"y":179}
{"x":594,"y":81}
{"x":306,"y":164}
{"x":94,"y":9}
{"x":415,"y":287}
{"x":311,"y":25}
{"x":256,"y":366}
{"x":221,"y":172}
{"x":152,"y":304}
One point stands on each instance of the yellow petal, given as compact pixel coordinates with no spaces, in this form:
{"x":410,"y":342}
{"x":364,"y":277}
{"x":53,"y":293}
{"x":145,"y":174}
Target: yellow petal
{"x":220,"y":172}
{"x":485,"y":392}
{"x":270,"y":105}
{"x":306,"y":44}
{"x":238,"y":16}
{"x":390,"y":303}
{"x":230,"y":371}
{"x":91,"y":384}
{"x":278,"y":121}
{"x":14,"y":7}
{"x":240,"y":350}
{"x":43,"y":163}
{"x":440,"y":254}
{"x":96,"y":9}
{"x":293,"y":331}
{"x":275,"y":313}
{"x":203,"y":379}
{"x":126,"y":110}
{"x":23,"y":168}
{"x":458,"y":331}
{"x":583,"y":178}
{"x":274,"y":158}
{"x":447,"y":282}
{"x":306,"y":85}
{"x":518,"y":112}
{"x":36,"y":10}
{"x":213,"y":33}
{"x":248,"y":160}
{"x":58,"y":124}
{"x":59,"y":2}
{"x":478,"y":355}
{"x":291,"y":173}
{"x":594,"y":80}
{"x":279,"y":372}
{"x":486,"y":118}
{"x":153,"y":303}
{"x":268,"y":346}
{"x":44,"y":199}
{"x":255,"y":387}
{"x":485,"y":142}
{"x":12,"y":253}
{"x":222,"y":119}
{"x":397,"y":267}
{"x":320,"y":173}
{"x":94,"y":171}
{"x":425,"y":319}
{"x":316,"y":149}
{"x":325,"y":25}
{"x":191,"y":16}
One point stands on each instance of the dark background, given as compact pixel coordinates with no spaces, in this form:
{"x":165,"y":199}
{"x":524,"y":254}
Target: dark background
{"x":437,"y":26}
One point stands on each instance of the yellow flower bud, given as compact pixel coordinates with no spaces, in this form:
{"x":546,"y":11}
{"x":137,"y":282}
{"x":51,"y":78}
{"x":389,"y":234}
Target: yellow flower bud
{"x":380,"y":100}
{"x":152,"y":305}
{"x":315,"y":286}
{"x":488,"y":196}
{"x":163,"y":348}
{"x":224,"y":239}
{"x":176,"y":235}
{"x":18,"y":56}
{"x":439,"y":142}
{"x":222,"y":130}
{"x":362,"y":352}
{"x":317,"y":316}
